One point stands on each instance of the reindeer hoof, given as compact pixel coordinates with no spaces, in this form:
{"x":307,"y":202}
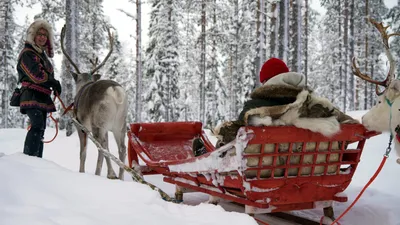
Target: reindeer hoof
{"x":398,"y":160}
{"x":112,"y":177}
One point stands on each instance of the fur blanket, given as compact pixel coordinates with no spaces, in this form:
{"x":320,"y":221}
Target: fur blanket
{"x":306,"y":111}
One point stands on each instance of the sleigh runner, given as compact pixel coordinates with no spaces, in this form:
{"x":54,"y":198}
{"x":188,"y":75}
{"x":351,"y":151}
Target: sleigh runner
{"x":267,"y":169}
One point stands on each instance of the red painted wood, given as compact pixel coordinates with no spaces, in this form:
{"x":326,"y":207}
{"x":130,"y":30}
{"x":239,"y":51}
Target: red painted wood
{"x":162,"y":144}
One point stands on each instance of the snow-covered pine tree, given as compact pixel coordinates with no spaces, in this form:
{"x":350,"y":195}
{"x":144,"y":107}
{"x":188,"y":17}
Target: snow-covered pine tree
{"x":232,"y":60}
{"x":394,"y":20}
{"x":134,"y":85}
{"x":367,"y":48}
{"x":294,"y":60}
{"x":283,"y":30}
{"x":162,"y":64}
{"x":8,"y":74}
{"x":332,"y":43}
{"x":189,"y":57}
{"x":139,"y":72}
{"x":311,"y":45}
{"x":261,"y":37}
{"x":273,"y":28}
{"x":92,"y":33}
{"x":375,"y":69}
{"x":248,"y":42}
{"x":202,"y":62}
{"x":217,"y":92}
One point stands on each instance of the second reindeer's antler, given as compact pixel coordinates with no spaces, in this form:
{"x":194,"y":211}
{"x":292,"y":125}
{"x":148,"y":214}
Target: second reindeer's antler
{"x":385,"y":38}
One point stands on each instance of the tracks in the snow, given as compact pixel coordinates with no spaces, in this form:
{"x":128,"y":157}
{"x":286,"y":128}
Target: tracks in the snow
{"x":278,"y":218}
{"x":292,"y":218}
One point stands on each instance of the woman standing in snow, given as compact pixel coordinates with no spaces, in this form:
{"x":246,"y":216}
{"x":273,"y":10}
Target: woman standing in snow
{"x":36,"y":74}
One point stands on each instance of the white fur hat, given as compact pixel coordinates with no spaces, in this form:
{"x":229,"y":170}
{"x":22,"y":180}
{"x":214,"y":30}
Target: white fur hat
{"x":289,"y":79}
{"x":31,"y":34}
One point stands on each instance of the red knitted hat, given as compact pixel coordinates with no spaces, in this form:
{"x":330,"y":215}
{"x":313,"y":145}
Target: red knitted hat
{"x":271,"y":68}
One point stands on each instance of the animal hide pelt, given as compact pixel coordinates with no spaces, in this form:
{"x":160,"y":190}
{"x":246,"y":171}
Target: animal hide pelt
{"x":284,"y":105}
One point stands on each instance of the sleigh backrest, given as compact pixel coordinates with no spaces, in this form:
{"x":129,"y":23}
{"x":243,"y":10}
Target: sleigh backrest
{"x":288,"y":152}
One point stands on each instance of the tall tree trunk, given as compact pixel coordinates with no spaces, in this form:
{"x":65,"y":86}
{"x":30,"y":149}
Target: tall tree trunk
{"x":351,"y":83}
{"x":299,"y":36}
{"x":138,"y":103}
{"x":94,"y":30}
{"x":340,"y":61}
{"x":71,"y":42}
{"x":4,"y":64}
{"x":366,"y":54}
{"x":169,"y":103}
{"x":272,"y":29}
{"x":235,"y":77}
{"x":346,"y":49}
{"x":214,"y":106}
{"x":306,"y":41}
{"x":286,"y":32}
{"x":265,"y":27}
{"x":294,"y":37}
{"x":281,"y":31}
{"x":203,"y":63}
{"x":261,"y":39}
{"x":371,"y":91}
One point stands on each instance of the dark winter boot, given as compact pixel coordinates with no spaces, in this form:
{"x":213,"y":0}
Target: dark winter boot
{"x":34,"y":138}
{"x":33,"y":143}
{"x":198,"y":147}
{"x":41,"y":145}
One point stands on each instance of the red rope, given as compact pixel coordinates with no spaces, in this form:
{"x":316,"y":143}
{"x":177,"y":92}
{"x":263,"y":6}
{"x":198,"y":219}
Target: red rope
{"x":361,"y":193}
{"x":52,"y":118}
{"x":56,"y":122}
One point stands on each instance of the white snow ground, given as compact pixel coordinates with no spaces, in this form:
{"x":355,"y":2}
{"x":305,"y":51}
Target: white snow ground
{"x":50,"y":191}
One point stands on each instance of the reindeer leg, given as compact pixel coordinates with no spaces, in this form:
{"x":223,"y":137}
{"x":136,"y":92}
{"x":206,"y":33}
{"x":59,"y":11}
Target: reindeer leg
{"x":83,"y":142}
{"x":120,"y":139}
{"x":100,"y":157}
{"x":110,"y":171}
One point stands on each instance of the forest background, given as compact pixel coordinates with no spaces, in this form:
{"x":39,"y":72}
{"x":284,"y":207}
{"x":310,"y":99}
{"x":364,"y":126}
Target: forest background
{"x":185,"y":60}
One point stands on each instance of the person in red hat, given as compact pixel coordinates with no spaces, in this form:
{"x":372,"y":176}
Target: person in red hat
{"x":271,"y":68}
{"x":284,"y":99}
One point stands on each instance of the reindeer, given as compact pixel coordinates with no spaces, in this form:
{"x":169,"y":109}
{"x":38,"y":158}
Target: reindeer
{"x":385,"y":115}
{"x":100,"y":106}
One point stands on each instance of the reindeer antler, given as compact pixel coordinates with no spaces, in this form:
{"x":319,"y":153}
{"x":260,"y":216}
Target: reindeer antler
{"x":94,"y":62}
{"x":64,"y":52}
{"x":111,"y":39}
{"x":385,"y":38}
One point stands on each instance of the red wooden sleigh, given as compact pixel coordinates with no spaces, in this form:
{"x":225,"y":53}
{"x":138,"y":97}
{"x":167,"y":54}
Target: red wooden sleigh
{"x":267,"y":169}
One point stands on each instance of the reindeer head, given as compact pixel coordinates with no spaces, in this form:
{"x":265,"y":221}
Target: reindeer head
{"x":83,"y":78}
{"x":385,"y":115}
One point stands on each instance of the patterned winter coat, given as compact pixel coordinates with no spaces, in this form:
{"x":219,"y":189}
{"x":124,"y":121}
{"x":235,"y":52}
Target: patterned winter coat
{"x":35,"y":71}
{"x":36,"y":75}
{"x":272,"y":105}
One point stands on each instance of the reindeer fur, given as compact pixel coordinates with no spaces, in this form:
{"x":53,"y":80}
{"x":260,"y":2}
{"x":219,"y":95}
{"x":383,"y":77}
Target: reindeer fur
{"x":101,"y":106}
{"x":378,"y":117}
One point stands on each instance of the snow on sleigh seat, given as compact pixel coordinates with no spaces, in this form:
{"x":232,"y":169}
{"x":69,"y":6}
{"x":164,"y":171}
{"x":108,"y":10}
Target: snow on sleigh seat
{"x":268,"y":169}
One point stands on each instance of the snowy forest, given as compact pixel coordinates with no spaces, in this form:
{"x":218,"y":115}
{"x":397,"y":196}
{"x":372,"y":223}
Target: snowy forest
{"x":202,"y":58}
